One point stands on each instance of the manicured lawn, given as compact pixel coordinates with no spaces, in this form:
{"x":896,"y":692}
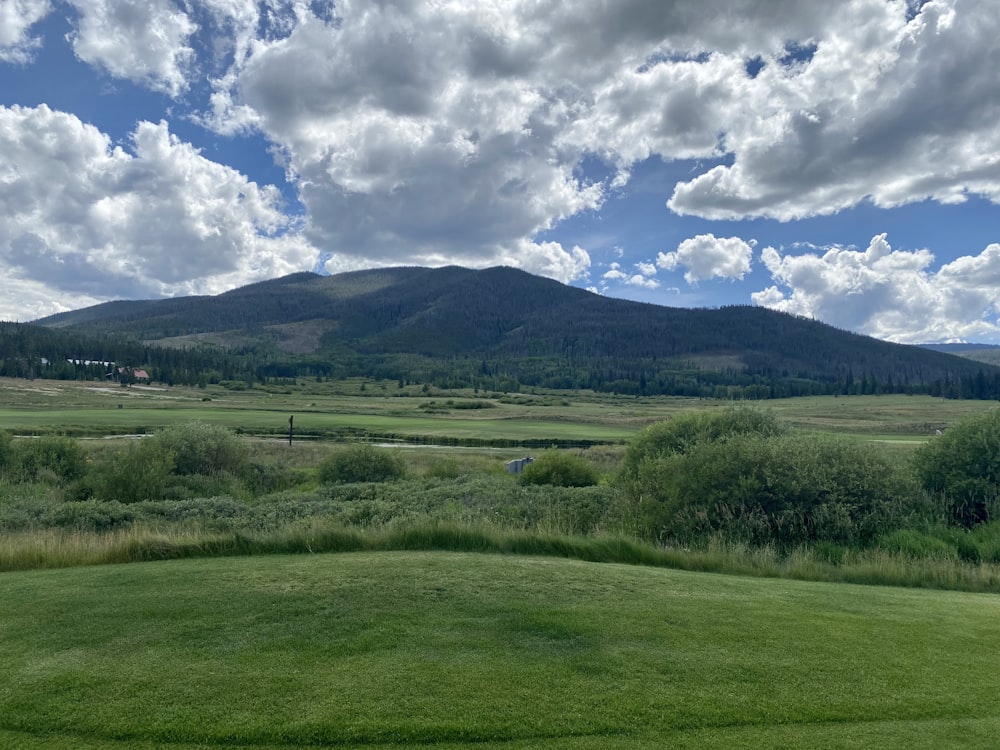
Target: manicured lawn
{"x":124,"y":421}
{"x":31,"y":407}
{"x":457,"y":650}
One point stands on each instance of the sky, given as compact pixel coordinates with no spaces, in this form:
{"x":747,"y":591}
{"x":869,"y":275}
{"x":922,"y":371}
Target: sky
{"x":835,"y":160}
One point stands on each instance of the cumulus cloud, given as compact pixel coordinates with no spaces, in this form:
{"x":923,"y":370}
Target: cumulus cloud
{"x":890,"y":294}
{"x":457,"y":132}
{"x":708,"y":257}
{"x":145,"y":42}
{"x":89,"y":220}
{"x":16,"y":19}
{"x":415,"y":139}
{"x":894,"y":106}
{"x":892,"y":101}
{"x":647,"y":269}
{"x":614,"y":273}
{"x":26,"y":300}
{"x":643,"y":279}
{"x":456,"y":129}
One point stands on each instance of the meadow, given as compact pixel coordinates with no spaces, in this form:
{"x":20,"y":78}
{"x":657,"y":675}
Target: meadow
{"x":80,"y":471}
{"x":359,"y":408}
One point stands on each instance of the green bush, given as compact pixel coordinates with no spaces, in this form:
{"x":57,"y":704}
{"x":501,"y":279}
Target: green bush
{"x":263,"y":479}
{"x":778,"y":490}
{"x":199,"y":448}
{"x":89,"y":515}
{"x":139,"y":472}
{"x":683,"y":432}
{"x":443,"y":468}
{"x":986,"y":536}
{"x":361,"y":463}
{"x":6,"y":451}
{"x":981,"y":544}
{"x":560,"y":469}
{"x":60,"y":458}
{"x":962,"y":467}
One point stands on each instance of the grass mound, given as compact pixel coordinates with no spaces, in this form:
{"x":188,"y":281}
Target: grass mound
{"x":463,"y":650}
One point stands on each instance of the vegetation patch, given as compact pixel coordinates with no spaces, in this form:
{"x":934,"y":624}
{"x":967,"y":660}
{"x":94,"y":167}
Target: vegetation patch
{"x":458,"y":650}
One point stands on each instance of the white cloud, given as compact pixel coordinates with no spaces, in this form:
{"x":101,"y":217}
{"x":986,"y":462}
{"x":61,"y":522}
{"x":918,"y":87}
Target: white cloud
{"x":16,"y":19}
{"x":415,"y":140}
{"x":454,"y":129}
{"x":549,"y":259}
{"x":88,"y":220}
{"x":890,"y":294}
{"x":642,"y":280}
{"x":141,"y":41}
{"x":455,"y":132}
{"x":647,"y":269}
{"x":889,"y":110}
{"x":26,"y":300}
{"x":708,"y":257}
{"x":615,"y":273}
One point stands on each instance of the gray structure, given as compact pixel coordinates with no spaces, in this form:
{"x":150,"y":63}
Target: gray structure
{"x":517,"y":465}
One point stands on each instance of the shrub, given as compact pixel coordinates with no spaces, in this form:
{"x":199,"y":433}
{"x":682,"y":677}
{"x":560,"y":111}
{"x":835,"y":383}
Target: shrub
{"x":361,"y":463}
{"x":58,"y":457}
{"x":680,"y":434}
{"x":784,"y":491}
{"x":263,"y":479}
{"x":87,"y":516}
{"x":139,"y":472}
{"x":6,"y":451}
{"x":443,"y":468}
{"x":962,"y":467}
{"x":917,"y":545}
{"x":561,"y":469}
{"x":199,"y":448}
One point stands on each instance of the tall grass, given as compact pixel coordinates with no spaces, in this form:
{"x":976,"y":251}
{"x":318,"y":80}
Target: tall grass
{"x":59,"y":549}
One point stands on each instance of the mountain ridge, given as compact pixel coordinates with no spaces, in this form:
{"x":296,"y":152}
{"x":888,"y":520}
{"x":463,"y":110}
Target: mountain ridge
{"x":454,"y":324}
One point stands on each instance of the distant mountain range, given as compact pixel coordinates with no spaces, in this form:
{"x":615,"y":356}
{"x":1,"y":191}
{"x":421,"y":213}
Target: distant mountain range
{"x":501,"y":328}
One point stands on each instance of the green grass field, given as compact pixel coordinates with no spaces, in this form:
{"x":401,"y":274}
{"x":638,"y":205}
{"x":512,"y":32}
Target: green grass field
{"x":454,"y":650}
{"x":336,"y":410}
{"x":392,"y":647}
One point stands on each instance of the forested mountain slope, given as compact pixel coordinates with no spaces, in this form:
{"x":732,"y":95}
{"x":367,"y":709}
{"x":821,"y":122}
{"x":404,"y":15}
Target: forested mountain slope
{"x":456,"y":326}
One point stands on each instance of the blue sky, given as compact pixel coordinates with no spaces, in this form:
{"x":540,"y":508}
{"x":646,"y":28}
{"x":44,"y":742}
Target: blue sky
{"x":839,"y":161}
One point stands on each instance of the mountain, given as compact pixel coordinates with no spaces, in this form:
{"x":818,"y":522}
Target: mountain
{"x":456,"y":326}
{"x":986,"y":353}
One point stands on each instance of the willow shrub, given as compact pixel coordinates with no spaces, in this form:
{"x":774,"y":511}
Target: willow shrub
{"x":560,"y":468}
{"x":6,"y":451}
{"x":361,"y":462}
{"x":962,"y":468}
{"x":140,"y":471}
{"x":199,"y":448}
{"x":57,"y":458}
{"x":680,"y":434}
{"x":775,"y":490}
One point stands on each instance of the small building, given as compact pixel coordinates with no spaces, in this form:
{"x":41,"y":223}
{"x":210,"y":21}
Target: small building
{"x":129,"y":375}
{"x":517,"y":465}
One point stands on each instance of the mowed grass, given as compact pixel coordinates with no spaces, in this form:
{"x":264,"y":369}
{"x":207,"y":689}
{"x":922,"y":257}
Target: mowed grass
{"x":341,"y":408}
{"x":452,"y":650}
{"x":140,"y":420}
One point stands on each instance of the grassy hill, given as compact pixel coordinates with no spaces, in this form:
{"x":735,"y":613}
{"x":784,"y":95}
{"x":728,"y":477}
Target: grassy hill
{"x":454,"y":650}
{"x":500,"y":327}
